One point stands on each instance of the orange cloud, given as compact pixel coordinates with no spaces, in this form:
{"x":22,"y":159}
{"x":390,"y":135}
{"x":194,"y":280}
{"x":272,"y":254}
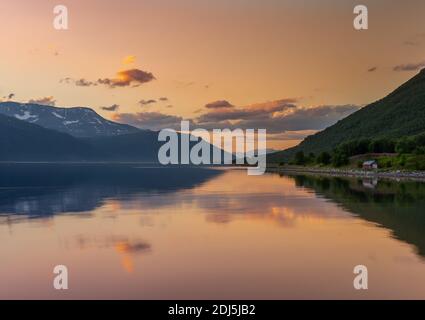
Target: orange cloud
{"x":129,"y":59}
{"x":124,"y":78}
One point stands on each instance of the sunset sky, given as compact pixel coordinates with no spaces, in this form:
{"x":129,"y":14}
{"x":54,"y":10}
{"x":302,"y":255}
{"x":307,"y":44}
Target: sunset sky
{"x":290,"y":66}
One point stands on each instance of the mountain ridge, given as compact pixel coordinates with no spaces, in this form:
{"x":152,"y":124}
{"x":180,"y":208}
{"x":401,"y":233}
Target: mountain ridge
{"x":80,"y":122}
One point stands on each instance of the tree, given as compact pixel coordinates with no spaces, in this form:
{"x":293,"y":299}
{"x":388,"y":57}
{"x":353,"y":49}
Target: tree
{"x":382,"y":145}
{"x":299,"y":158}
{"x":339,"y":159}
{"x":324,"y":158}
{"x":311,"y":158}
{"x":354,"y":147}
{"x":405,"y":145}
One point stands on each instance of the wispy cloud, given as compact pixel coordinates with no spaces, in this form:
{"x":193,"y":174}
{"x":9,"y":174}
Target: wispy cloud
{"x":46,"y":101}
{"x":149,"y":120}
{"x":415,"y":40}
{"x":10,"y":96}
{"x":129,"y":59}
{"x":411,"y":43}
{"x":219,"y":104}
{"x":291,"y":135}
{"x":114,"y":107}
{"x":410,"y":66}
{"x":146,"y":102}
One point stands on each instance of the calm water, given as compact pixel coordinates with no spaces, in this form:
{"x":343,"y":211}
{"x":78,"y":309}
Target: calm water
{"x":164,"y":233}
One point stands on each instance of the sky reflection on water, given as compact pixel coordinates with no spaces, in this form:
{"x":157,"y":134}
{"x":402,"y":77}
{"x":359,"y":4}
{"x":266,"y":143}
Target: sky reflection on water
{"x":143,"y":233}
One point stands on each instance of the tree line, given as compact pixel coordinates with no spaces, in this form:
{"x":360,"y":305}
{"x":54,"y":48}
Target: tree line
{"x":341,"y":154}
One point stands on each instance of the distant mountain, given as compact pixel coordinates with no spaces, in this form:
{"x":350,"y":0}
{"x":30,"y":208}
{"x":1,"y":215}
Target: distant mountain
{"x":22,"y":141}
{"x":142,"y":146}
{"x":401,"y":113}
{"x":29,"y":142}
{"x":78,"y":122}
{"x":31,"y":132}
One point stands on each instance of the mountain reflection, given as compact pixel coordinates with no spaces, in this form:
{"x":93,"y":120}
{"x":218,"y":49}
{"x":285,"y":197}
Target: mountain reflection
{"x":40,"y":190}
{"x":397,"y":206}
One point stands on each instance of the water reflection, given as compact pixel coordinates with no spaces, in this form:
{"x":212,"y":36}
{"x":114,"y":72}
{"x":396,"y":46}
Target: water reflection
{"x":44,"y":190}
{"x":191,"y":233}
{"x":397,"y":206}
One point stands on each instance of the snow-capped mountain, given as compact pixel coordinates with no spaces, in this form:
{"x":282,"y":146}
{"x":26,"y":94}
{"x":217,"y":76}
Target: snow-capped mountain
{"x":78,"y":122}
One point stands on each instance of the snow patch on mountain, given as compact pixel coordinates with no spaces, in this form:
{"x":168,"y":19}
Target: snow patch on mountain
{"x":26,"y":116}
{"x":78,"y":121}
{"x":70,"y":122}
{"x":58,"y":115}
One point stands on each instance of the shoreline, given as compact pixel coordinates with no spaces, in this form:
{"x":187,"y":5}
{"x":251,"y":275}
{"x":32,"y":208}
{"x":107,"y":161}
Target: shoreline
{"x":351,"y":173}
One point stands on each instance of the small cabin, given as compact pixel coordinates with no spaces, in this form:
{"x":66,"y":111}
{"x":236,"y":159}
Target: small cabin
{"x":370,"y":165}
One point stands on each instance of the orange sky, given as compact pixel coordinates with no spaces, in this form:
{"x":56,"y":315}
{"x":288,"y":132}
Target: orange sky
{"x":244,"y":52}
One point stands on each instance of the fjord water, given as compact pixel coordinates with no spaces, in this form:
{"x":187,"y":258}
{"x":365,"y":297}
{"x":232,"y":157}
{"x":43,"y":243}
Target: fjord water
{"x":136,"y":232}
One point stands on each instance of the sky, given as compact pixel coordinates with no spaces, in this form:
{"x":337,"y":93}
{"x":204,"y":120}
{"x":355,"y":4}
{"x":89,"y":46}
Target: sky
{"x":292,"y":67}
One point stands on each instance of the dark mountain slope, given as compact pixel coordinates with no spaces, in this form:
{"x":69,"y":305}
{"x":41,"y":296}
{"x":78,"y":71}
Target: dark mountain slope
{"x":401,"y":113}
{"x":142,"y":146}
{"x":22,"y":141}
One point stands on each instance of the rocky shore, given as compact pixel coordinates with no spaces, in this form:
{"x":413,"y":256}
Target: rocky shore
{"x":344,"y":172}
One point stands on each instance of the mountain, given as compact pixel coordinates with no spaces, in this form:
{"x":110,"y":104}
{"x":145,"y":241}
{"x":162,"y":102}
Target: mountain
{"x":22,"y":141}
{"x":142,"y":146}
{"x":401,"y":113}
{"x":78,"y":122}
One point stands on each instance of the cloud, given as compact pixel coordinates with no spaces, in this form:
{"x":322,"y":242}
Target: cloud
{"x":277,"y":117}
{"x":411,"y":43}
{"x":255,"y":111}
{"x":125,"y":78}
{"x":149,"y":120}
{"x":291,"y":135}
{"x":46,"y":101}
{"x":410,"y":66}
{"x":129,"y":59}
{"x":282,"y":118}
{"x":184,"y":84}
{"x":313,"y":118}
{"x":219,"y":104}
{"x":146,"y":102}
{"x":9,"y":96}
{"x":415,"y":40}
{"x":78,"y":82}
{"x":114,"y":107}
{"x":84,"y":83}
{"x":373,"y":69}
